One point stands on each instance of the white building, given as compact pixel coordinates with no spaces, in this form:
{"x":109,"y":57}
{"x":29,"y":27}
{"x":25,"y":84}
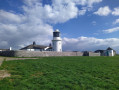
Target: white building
{"x":56,"y":44}
{"x":108,"y":52}
{"x":57,"y":41}
{"x":111,"y":52}
{"x":34,"y":47}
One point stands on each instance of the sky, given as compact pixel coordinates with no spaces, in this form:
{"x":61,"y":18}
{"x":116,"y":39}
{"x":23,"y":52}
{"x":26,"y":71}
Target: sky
{"x":85,"y":25}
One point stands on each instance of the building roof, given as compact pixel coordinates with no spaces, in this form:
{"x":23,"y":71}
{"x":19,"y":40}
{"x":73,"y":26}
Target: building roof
{"x":35,"y":47}
{"x":109,"y":48}
{"x":56,"y":30}
{"x":101,"y":51}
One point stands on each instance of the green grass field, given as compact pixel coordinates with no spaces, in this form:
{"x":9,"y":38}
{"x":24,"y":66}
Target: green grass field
{"x":62,"y":73}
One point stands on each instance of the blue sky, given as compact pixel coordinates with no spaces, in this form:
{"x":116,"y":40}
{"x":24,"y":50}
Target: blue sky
{"x":84,"y":24}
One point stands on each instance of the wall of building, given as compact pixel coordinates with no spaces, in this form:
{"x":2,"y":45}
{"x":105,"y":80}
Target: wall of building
{"x":21,"y":53}
{"x":94,"y":54}
{"x":57,"y":45}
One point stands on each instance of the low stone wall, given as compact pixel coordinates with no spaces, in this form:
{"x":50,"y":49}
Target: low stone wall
{"x":21,"y":53}
{"x":94,"y":54}
{"x":7,"y":53}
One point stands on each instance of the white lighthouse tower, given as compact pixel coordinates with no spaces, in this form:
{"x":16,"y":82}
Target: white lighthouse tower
{"x":57,"y":41}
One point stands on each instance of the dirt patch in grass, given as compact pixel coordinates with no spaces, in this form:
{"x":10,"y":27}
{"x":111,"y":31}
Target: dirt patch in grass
{"x":38,"y":74}
{"x":4,"y":73}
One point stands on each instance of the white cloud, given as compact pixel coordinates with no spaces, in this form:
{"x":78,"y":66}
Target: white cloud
{"x":10,"y":17}
{"x":19,"y":29}
{"x":103,"y":11}
{"x":111,"y":30}
{"x":89,"y":3}
{"x":59,"y":12}
{"x":116,"y":21}
{"x":89,"y":43}
{"x":34,"y":24}
{"x":82,"y":11}
{"x":66,"y":9}
{"x":116,"y":11}
{"x":30,"y":2}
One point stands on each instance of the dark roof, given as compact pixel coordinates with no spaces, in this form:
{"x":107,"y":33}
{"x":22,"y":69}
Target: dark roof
{"x":101,"y":51}
{"x":35,"y":47}
{"x":109,"y":48}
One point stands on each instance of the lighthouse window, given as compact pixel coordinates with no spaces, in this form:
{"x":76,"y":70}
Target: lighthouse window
{"x":56,"y":34}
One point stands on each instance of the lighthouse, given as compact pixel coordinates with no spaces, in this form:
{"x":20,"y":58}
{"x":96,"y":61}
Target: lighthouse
{"x":57,"y":41}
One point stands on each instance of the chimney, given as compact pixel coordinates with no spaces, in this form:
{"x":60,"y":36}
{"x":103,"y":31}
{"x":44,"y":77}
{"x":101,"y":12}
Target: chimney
{"x":50,"y":45}
{"x":34,"y":43}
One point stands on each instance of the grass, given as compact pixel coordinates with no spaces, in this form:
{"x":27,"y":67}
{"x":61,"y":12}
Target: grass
{"x":62,"y":73}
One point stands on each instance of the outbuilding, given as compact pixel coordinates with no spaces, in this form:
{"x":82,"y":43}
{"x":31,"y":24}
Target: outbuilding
{"x":34,"y":47}
{"x":108,"y":52}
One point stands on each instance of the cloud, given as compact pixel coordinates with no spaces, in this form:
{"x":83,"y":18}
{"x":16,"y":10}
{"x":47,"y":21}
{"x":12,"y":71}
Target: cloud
{"x":89,"y":3}
{"x":116,"y":11}
{"x":61,"y":12}
{"x":10,"y":17}
{"x":103,"y":11}
{"x":35,"y":21}
{"x":82,"y":12}
{"x":66,"y":10}
{"x":22,"y":29}
{"x":116,"y":21}
{"x":111,"y":30}
{"x":94,"y":22}
{"x":89,"y":43}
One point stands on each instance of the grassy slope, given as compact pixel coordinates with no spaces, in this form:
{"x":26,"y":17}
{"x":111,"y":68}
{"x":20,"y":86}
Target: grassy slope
{"x":62,"y":73}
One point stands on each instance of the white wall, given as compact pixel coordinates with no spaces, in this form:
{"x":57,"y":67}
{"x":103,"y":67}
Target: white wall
{"x":57,"y":45}
{"x":30,"y":50}
{"x":46,"y":49}
{"x":111,"y":52}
